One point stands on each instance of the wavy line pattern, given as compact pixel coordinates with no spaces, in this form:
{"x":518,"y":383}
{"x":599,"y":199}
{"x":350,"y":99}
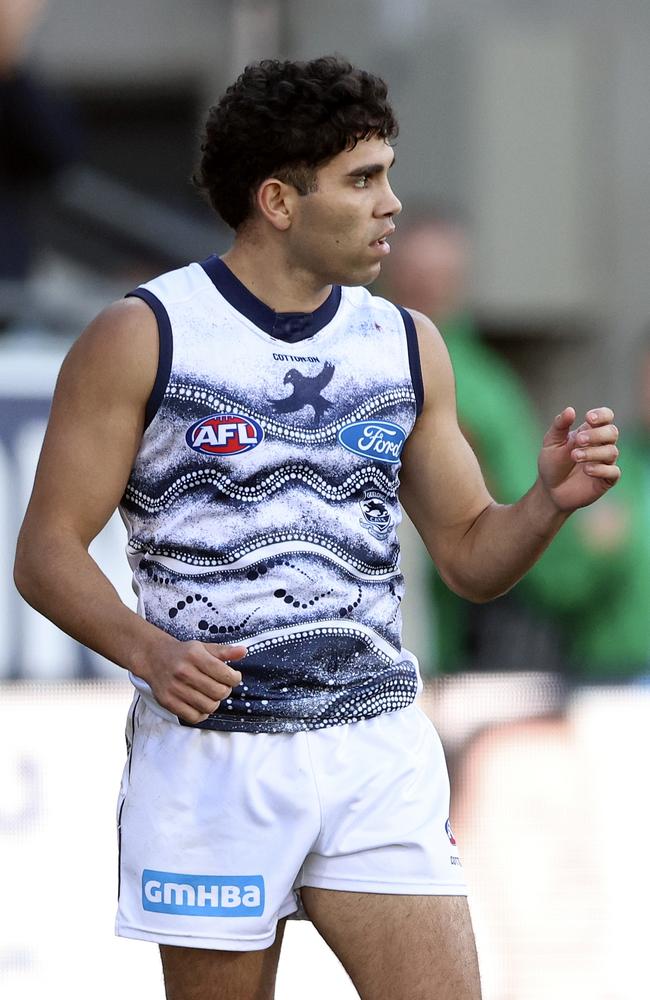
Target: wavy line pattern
{"x":327,"y":627}
{"x":216,"y":402}
{"x":291,"y":475}
{"x":297,"y":640}
{"x":396,"y":691}
{"x":244,"y":556}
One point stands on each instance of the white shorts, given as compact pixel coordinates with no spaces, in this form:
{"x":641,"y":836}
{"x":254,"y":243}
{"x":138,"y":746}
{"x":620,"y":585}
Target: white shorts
{"x":218,"y":831}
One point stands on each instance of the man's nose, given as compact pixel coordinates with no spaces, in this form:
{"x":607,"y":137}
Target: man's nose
{"x":393,"y":204}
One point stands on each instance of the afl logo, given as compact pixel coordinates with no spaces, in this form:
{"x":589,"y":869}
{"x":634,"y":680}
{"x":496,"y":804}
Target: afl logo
{"x":452,"y":839}
{"x":374,"y":438}
{"x":224,"y":434}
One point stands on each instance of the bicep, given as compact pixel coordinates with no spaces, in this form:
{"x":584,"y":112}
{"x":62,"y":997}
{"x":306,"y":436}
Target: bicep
{"x":443,"y":489}
{"x":96,"y":424}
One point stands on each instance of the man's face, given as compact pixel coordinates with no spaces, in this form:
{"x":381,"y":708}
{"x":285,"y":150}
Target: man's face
{"x":338,"y":232}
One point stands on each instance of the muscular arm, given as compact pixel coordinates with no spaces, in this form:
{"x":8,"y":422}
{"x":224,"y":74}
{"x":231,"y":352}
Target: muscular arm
{"x":92,"y":438}
{"x":482,"y":548}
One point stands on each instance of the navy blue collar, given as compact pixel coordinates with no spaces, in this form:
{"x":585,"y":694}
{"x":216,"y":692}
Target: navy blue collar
{"x":289,"y":327}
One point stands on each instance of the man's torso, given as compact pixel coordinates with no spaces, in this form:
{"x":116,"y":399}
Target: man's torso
{"x":262,"y":507}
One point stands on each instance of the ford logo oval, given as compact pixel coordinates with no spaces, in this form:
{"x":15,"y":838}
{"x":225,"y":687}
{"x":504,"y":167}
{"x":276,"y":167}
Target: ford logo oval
{"x":224,"y":434}
{"x":374,"y":439}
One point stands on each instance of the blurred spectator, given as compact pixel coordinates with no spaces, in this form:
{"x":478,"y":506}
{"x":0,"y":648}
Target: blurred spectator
{"x":529,"y":755}
{"x":565,"y":780}
{"x":616,"y":646}
{"x":428,"y":270}
{"x":39,"y":137}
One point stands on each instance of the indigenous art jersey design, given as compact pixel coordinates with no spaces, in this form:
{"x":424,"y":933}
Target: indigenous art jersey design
{"x":262,"y":507}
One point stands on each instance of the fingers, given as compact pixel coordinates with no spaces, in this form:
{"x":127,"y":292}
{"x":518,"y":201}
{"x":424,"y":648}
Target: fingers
{"x":596,"y":435}
{"x":198,"y":679}
{"x":193,"y":706}
{"x":225,"y":652}
{"x":559,"y":429}
{"x":607,"y":453}
{"x":579,"y":465}
{"x":597,"y":430}
{"x":608,"y":474}
{"x":216,"y":664}
{"x":214,"y":671}
{"x":565,"y":418}
{"x":601,"y":415}
{"x":596,"y":449}
{"x":595,"y":440}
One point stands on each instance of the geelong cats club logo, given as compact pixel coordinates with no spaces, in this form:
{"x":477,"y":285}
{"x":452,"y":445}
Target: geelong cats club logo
{"x":224,"y":434}
{"x":376,"y":515}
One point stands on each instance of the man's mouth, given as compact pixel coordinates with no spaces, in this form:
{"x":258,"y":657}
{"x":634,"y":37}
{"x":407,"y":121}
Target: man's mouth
{"x":382,"y":241}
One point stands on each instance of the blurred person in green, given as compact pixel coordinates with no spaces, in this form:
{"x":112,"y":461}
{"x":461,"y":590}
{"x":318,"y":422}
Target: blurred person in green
{"x":540,"y":624}
{"x":580,"y":617}
{"x":616,"y":646}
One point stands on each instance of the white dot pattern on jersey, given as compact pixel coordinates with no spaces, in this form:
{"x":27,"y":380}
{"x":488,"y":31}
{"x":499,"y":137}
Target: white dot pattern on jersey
{"x":273,"y":540}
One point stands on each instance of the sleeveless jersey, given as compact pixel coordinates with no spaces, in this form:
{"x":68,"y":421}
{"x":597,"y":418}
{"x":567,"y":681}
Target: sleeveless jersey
{"x":262,"y":506}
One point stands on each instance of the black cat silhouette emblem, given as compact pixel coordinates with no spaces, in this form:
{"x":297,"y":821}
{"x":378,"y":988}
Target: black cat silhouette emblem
{"x":306,"y":392}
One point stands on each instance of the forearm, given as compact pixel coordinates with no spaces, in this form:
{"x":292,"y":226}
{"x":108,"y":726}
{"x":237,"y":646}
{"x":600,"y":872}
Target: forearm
{"x":61,"y":580}
{"x":501,"y":545}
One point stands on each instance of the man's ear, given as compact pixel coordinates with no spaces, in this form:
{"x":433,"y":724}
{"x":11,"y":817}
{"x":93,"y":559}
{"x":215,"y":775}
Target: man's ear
{"x":275,"y":200}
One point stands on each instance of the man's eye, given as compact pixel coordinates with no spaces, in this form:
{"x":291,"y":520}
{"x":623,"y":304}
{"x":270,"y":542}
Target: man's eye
{"x":362,"y":182}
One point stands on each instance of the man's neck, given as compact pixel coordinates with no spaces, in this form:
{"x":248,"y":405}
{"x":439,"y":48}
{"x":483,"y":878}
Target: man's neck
{"x":281,"y":286}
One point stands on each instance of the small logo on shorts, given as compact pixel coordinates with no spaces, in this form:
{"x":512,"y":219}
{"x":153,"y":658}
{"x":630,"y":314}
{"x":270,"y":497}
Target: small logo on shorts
{"x":203,"y":895}
{"x":448,"y":830}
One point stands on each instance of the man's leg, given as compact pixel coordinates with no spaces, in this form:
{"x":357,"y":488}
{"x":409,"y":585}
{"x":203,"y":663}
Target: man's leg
{"x":202,"y":974}
{"x":399,"y":947}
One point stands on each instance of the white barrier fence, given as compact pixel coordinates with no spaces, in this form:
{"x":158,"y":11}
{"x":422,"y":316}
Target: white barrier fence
{"x":551,"y":814}
{"x":32,"y":647}
{"x":61,"y":756}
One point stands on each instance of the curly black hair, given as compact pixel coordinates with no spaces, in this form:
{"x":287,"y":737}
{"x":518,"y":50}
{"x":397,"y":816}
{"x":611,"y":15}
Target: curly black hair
{"x":285,"y":119}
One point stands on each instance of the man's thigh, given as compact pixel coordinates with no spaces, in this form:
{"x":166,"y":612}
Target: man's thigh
{"x":201,"y":974}
{"x":399,"y":947}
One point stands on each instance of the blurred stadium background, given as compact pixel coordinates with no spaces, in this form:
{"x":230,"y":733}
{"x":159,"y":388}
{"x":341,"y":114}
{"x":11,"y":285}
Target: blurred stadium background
{"x":533,"y":117}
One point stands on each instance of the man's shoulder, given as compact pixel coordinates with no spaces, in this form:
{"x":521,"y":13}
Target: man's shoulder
{"x":360,"y":297}
{"x":124,"y":332}
{"x":113,"y":362}
{"x":177,"y":284}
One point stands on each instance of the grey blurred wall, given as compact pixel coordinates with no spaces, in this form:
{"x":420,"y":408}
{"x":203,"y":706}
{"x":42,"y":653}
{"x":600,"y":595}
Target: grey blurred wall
{"x":532,"y":115}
